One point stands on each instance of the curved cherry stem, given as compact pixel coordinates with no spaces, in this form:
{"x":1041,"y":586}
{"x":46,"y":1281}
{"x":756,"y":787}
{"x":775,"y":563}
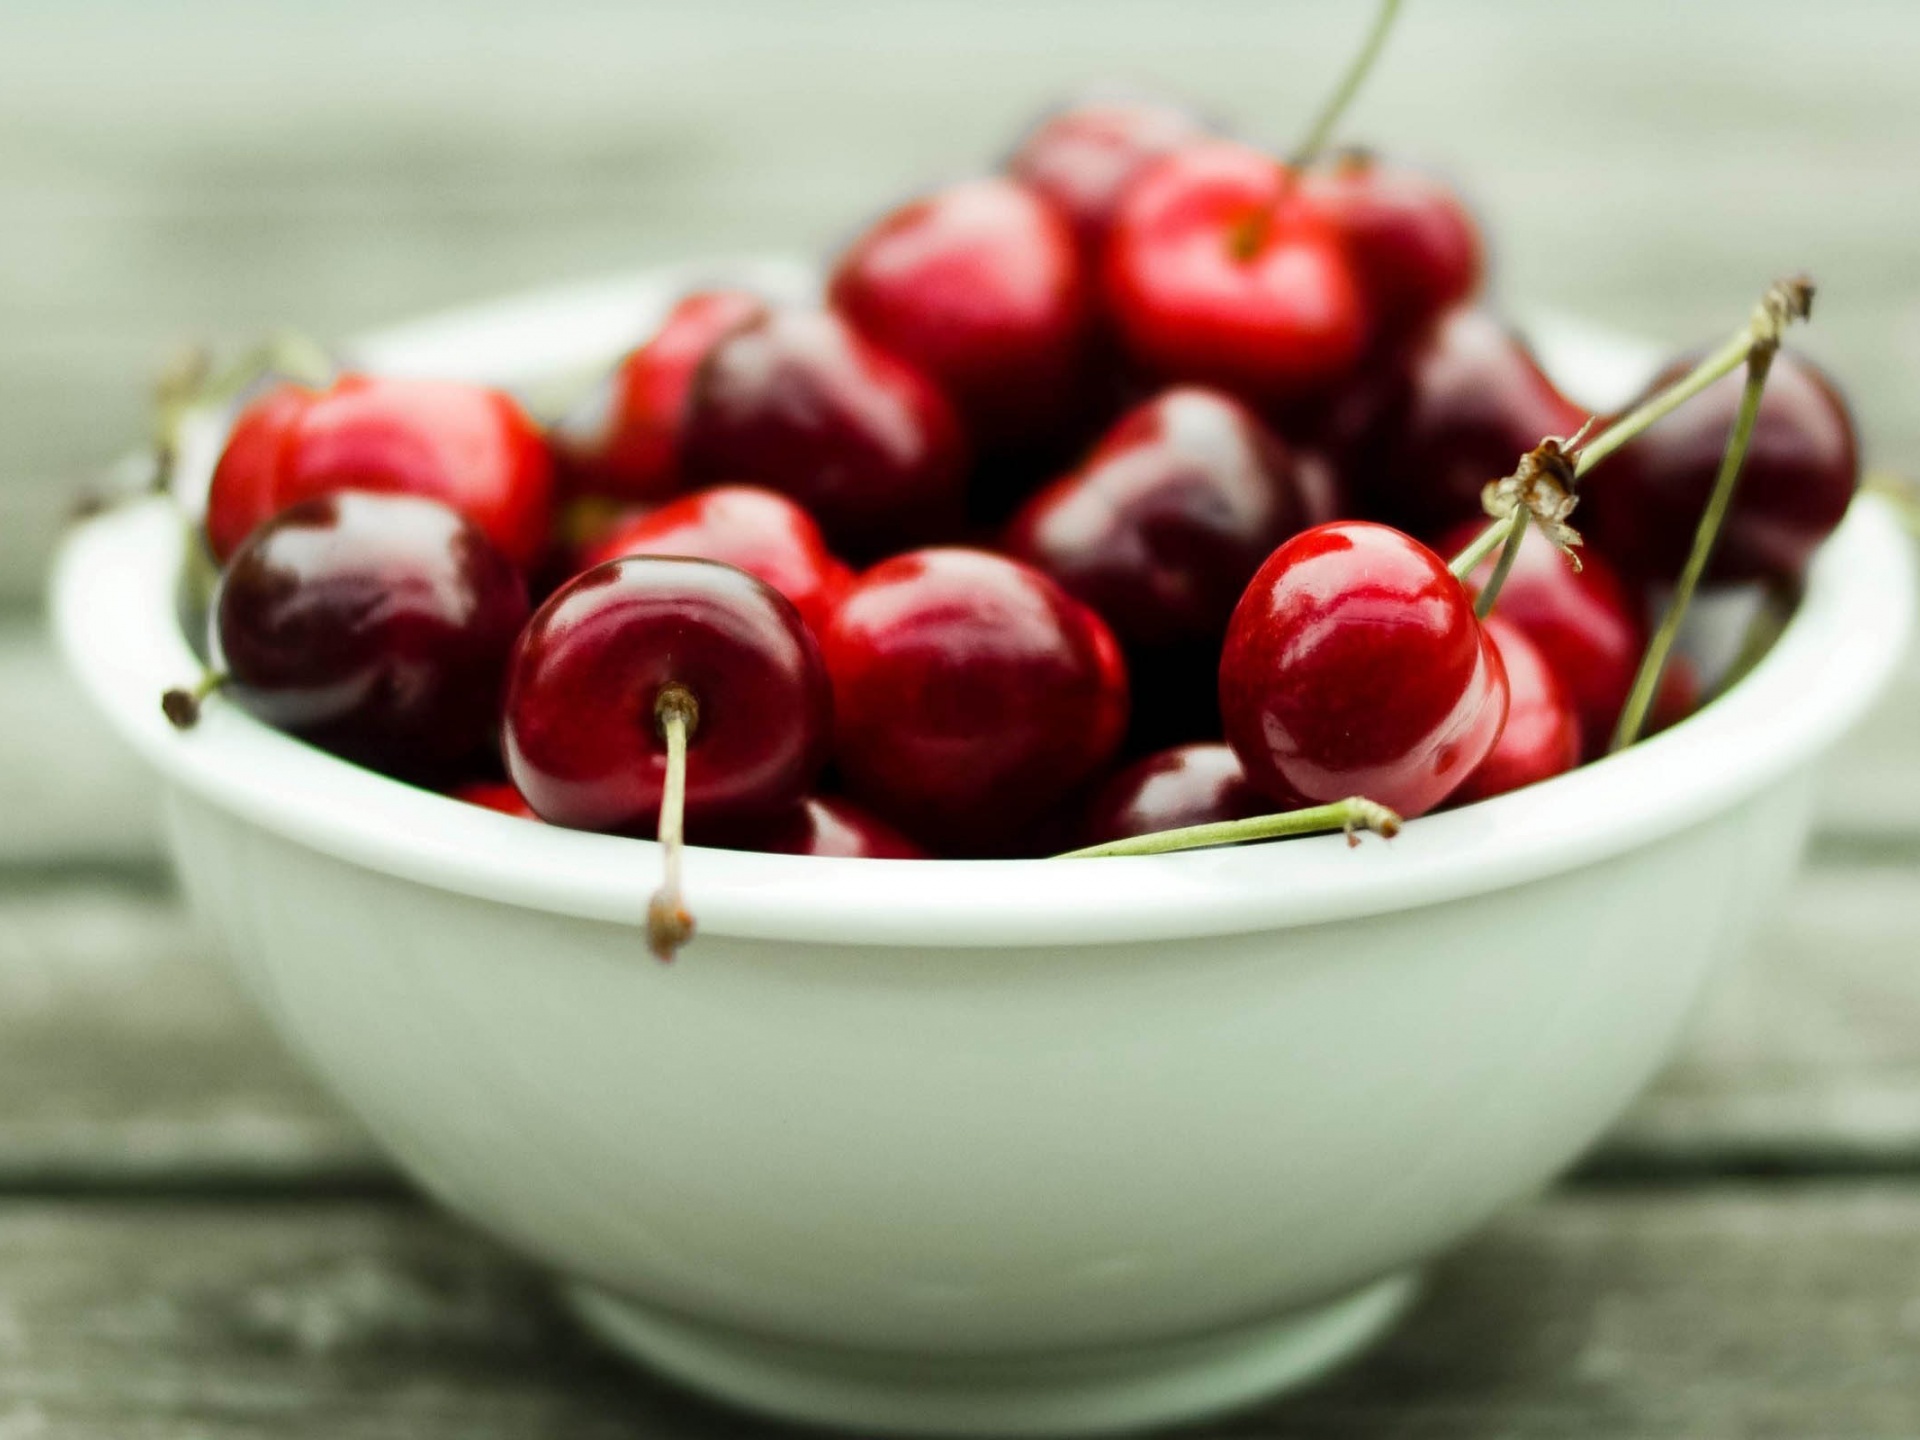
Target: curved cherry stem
{"x":1653,"y":663}
{"x":181,"y":705}
{"x":1509,"y":552}
{"x":1336,"y":104}
{"x":1351,"y":815}
{"x":669,"y":926}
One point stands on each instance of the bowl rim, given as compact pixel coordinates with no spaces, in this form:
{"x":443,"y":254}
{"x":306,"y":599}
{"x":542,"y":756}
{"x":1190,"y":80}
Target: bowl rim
{"x":112,"y":601}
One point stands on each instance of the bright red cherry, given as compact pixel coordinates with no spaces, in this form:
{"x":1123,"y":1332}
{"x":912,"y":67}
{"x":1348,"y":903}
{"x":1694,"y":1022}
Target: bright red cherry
{"x":1083,"y":157}
{"x":798,"y":401}
{"x":1215,"y":271}
{"x":467,"y":446}
{"x":1414,"y":243}
{"x":971,"y":696}
{"x":752,"y":529}
{"x":374,"y":626}
{"x":585,"y":719}
{"x":1639,"y":507}
{"x":1469,"y":400}
{"x":1169,"y":790}
{"x":821,"y":825}
{"x":982,"y":286}
{"x":624,"y":438}
{"x":1355,"y":666}
{"x":1541,"y":738}
{"x":495,"y":795}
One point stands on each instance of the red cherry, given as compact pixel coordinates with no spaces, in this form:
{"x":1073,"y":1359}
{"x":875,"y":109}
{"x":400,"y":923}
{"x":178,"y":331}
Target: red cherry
{"x":1354,"y":666}
{"x":1414,"y":243}
{"x":374,"y":626}
{"x":1640,"y":505}
{"x":982,"y":286}
{"x":799,"y":402}
{"x":1585,"y":622}
{"x":624,"y":438}
{"x":749,"y":528}
{"x":495,"y":795}
{"x":1541,"y":738}
{"x":470,"y":447}
{"x":1082,"y":157}
{"x":971,"y":696}
{"x":1215,"y":271}
{"x":822,"y":825}
{"x":1169,"y":790}
{"x":582,"y":738}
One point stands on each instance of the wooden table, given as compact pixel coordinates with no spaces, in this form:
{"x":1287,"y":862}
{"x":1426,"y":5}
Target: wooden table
{"x":193,"y":1240}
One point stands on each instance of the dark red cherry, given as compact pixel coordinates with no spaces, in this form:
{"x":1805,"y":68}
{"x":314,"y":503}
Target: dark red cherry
{"x":799,"y":402}
{"x":1541,"y":738}
{"x":1414,"y":243}
{"x":495,"y":795}
{"x":752,"y":529}
{"x":982,"y":287}
{"x":821,"y":825}
{"x":1585,"y":622}
{"x":374,"y":626}
{"x":1355,"y":666}
{"x":1169,"y":790}
{"x":1083,"y":157}
{"x":971,"y":696}
{"x":1216,"y":272}
{"x":1469,"y":400}
{"x":465,"y":445}
{"x":584,"y":738}
{"x":624,"y":438}
{"x":1639,"y":507}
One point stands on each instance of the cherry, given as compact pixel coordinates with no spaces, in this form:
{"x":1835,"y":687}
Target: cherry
{"x":971,"y":694}
{"x":1586,"y":623}
{"x":375,"y":626}
{"x":1083,"y":156}
{"x":1354,"y":665}
{"x":1541,"y":738}
{"x":982,"y":286}
{"x":755,"y":530}
{"x":1414,"y":243}
{"x":1169,"y":790}
{"x":1216,"y":271}
{"x":796,"y":400}
{"x":624,"y":438}
{"x":1469,"y":400}
{"x":468,"y":446}
{"x":495,"y":795}
{"x":1801,"y":469}
{"x":822,"y":825}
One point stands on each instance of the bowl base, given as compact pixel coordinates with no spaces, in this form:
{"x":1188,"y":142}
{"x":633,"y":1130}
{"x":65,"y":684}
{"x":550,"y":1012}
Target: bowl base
{"x":1080,"y":1393}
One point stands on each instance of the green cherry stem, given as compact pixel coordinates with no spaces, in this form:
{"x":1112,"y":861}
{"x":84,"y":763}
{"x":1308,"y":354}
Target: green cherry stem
{"x":1351,"y":816}
{"x":669,"y":926}
{"x":1356,"y":74}
{"x":1509,"y":552}
{"x":181,"y":705}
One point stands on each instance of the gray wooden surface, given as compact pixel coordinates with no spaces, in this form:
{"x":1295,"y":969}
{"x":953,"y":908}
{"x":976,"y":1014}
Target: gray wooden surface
{"x":195,"y":1242}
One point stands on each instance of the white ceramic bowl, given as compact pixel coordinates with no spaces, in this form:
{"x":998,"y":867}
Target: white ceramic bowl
{"x":978,"y":1147}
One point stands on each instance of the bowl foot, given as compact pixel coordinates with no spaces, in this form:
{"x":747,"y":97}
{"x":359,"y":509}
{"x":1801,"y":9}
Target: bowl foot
{"x":1079,"y":1393}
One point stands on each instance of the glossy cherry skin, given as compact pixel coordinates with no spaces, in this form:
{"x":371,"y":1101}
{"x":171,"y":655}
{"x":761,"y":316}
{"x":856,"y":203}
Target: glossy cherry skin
{"x":1216,"y":272}
{"x":375,"y":626}
{"x":1641,"y":504}
{"x":1355,"y":666}
{"x":820,"y":825}
{"x":1170,"y":789}
{"x":1083,"y":157}
{"x":624,"y":439}
{"x":1468,"y":401}
{"x":1414,"y":243}
{"x":1541,"y":738}
{"x":1586,"y":623}
{"x":982,"y":286}
{"x":495,"y":795}
{"x":465,"y":445}
{"x":971,"y":696}
{"x":582,"y":739}
{"x":752,"y":529}
{"x":799,"y":402}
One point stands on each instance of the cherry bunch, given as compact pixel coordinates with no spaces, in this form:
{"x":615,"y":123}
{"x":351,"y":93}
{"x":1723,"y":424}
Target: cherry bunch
{"x":1106,"y":496}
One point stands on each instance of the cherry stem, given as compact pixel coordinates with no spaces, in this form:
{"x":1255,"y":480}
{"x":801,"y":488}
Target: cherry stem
{"x":1351,"y":815}
{"x":669,"y":926}
{"x":1490,"y":592}
{"x":1653,"y":663}
{"x":181,"y":705}
{"x":1357,"y":69}
{"x":1497,"y":533}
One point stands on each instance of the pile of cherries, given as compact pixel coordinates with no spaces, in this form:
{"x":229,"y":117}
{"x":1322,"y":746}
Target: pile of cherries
{"x":1096,"y":500}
